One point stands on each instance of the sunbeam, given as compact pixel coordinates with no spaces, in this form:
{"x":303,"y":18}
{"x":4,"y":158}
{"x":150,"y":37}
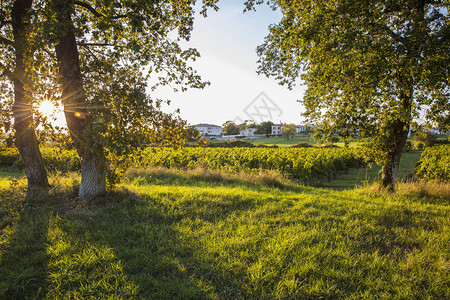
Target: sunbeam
{"x":47,"y":108}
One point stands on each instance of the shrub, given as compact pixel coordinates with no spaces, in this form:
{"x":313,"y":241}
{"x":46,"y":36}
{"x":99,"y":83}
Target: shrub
{"x":434,"y":164}
{"x":424,"y":137}
{"x":9,"y":157}
{"x":230,"y":144}
{"x":408,"y":146}
{"x":440,"y":142}
{"x":302,"y":145}
{"x":55,"y":159}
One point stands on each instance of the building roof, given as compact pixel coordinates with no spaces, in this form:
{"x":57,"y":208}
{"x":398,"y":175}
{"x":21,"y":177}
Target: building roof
{"x":206,"y":125}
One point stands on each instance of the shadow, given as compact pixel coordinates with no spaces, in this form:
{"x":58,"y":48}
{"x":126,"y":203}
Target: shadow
{"x":156,"y":256}
{"x":392,"y":232}
{"x":182,"y":178}
{"x":23,"y":248}
{"x":11,"y":173}
{"x":131,"y":246}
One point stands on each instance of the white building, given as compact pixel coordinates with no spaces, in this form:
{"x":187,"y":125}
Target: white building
{"x":248,"y":132}
{"x":435,"y":130}
{"x":277,"y":129}
{"x":301,"y":129}
{"x":208,"y":129}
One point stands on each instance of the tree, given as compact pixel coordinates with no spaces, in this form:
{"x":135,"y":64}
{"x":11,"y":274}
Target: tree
{"x":16,"y":51}
{"x":113,"y":34}
{"x":369,"y":67}
{"x":289,"y":130}
{"x":230,"y":128}
{"x":424,"y":136}
{"x":97,"y":57}
{"x":192,"y":134}
{"x":265,"y":128}
{"x":248,"y":124}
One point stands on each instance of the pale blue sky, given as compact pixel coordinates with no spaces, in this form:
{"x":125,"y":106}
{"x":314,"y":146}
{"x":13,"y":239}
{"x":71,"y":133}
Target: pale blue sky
{"x":227,"y":41}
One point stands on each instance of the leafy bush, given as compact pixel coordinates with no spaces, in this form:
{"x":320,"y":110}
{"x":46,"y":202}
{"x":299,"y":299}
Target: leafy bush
{"x":9,"y":157}
{"x":408,"y":146}
{"x":230,"y":144}
{"x":434,"y":164}
{"x":55,"y":159}
{"x":440,"y":142}
{"x":302,"y":145}
{"x":333,"y":139}
{"x":425,"y":137}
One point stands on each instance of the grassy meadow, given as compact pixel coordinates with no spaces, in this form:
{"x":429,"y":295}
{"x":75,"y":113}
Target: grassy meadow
{"x":202,"y":234}
{"x":283,"y":142}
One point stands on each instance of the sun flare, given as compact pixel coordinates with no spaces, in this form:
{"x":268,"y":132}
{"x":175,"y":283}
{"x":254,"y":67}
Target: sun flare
{"x":47,"y":108}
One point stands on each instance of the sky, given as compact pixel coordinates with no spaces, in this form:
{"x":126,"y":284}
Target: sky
{"x":227,"y":42}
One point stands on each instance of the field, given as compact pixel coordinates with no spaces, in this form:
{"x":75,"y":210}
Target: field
{"x":283,"y":142}
{"x":201,"y":233}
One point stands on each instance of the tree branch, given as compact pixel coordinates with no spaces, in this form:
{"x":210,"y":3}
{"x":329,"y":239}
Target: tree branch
{"x":389,"y":32}
{"x":95,"y":44}
{"x":6,"y":41}
{"x":95,"y":12}
{"x":5,"y":22}
{"x":89,"y":7}
{"x":119,"y":17}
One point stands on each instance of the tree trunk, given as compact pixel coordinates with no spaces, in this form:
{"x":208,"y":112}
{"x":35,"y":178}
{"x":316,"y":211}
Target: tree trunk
{"x":26,"y":141}
{"x":93,"y":163}
{"x":391,"y":166}
{"x":396,"y":138}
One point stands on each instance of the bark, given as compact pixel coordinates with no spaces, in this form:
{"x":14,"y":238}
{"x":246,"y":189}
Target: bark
{"x":390,"y":168}
{"x":398,"y":134}
{"x":93,"y":163}
{"x":26,"y":141}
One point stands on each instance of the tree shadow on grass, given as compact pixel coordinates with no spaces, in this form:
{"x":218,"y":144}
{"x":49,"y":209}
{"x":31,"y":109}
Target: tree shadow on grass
{"x":208,"y":178}
{"x":23,"y":245}
{"x":130,"y":246}
{"x":158,"y":260}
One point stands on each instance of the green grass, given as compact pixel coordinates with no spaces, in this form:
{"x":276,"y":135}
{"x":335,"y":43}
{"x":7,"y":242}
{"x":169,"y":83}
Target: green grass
{"x":10,"y":173}
{"x":167,"y":234}
{"x":283,"y":142}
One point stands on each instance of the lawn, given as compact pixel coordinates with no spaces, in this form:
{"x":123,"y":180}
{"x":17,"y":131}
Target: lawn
{"x":283,"y":142}
{"x":167,"y":234}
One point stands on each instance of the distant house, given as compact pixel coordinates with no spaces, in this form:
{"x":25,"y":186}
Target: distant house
{"x":277,"y":129}
{"x":248,"y":132}
{"x":208,"y":129}
{"x":435,"y":130}
{"x":301,"y":129}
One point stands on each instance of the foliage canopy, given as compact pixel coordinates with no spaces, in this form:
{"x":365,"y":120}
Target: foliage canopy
{"x":370,"y":66}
